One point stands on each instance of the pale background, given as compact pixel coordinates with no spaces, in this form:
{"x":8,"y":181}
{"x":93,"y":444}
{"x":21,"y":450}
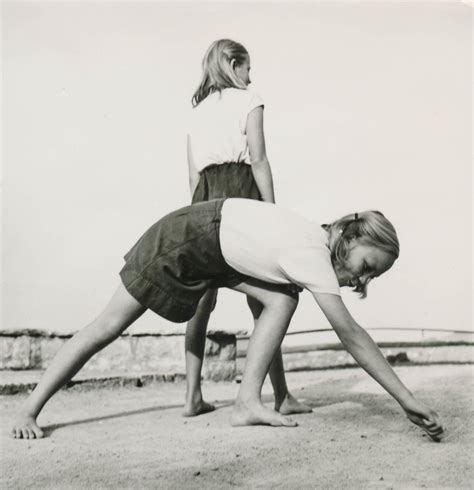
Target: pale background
{"x":368,"y":105}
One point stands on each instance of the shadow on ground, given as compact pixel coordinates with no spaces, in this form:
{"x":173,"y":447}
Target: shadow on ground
{"x":356,"y":437}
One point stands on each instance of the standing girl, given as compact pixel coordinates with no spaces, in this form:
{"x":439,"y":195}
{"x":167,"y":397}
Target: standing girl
{"x":227,"y":158}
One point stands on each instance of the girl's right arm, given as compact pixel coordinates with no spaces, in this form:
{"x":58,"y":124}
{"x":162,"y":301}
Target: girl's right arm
{"x":258,"y":156}
{"x":368,"y":355}
{"x":193,"y":173}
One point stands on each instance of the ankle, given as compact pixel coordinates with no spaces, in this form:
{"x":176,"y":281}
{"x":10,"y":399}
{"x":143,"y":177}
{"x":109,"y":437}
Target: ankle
{"x":29,"y":414}
{"x":28,"y":410}
{"x":194,"y":396}
{"x":247,"y":401}
{"x":280,"y":397}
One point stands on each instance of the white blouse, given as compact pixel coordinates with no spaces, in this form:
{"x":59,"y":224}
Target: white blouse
{"x":218,"y":127}
{"x":276,"y":245}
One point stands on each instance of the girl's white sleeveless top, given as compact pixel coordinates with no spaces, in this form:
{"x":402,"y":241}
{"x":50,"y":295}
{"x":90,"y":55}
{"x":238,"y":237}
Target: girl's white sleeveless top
{"x":217,"y":127}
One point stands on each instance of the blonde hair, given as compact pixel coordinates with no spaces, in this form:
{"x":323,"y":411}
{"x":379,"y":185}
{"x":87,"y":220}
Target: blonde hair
{"x":217,"y":71}
{"x":372,"y":227}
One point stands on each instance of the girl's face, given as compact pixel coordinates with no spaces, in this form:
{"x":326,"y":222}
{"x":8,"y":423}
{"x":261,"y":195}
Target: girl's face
{"x":243,"y":70}
{"x":363,"y":263}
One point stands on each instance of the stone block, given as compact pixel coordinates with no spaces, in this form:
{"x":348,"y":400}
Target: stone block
{"x":45,"y":350}
{"x":15,"y":352}
{"x":163,"y":354}
{"x":224,"y":347}
{"x":218,"y":371}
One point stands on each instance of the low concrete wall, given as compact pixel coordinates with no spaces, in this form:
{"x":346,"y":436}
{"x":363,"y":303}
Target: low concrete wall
{"x":334,"y":356}
{"x":421,"y":354}
{"x":160,"y":354}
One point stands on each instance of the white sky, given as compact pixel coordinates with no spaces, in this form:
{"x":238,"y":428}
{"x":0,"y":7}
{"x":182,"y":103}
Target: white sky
{"x":368,"y":105}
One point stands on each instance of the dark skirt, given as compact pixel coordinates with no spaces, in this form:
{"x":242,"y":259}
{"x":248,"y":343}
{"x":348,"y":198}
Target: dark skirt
{"x":226,"y":180}
{"x":177,"y":260}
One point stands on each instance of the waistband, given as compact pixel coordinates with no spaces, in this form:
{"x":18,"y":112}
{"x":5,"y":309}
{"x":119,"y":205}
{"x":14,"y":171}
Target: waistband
{"x":216,"y":165}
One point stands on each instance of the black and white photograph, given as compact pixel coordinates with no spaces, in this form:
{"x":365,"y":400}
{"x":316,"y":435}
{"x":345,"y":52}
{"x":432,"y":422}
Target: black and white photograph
{"x":236,"y":244}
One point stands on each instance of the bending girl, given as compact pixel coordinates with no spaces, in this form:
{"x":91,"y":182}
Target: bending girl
{"x":239,"y":243}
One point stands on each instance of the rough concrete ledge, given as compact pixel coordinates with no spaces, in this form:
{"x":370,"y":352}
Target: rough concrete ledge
{"x":162,"y":355}
{"x":22,"y":381}
{"x":337,"y":357}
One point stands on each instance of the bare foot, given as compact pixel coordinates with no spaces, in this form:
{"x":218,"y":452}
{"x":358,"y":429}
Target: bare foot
{"x":193,"y":408}
{"x":25,"y":427}
{"x":258,"y":414}
{"x":290,"y":405}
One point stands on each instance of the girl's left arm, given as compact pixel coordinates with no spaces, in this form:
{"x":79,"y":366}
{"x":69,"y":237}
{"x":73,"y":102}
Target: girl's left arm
{"x":193,"y":173}
{"x":258,"y":156}
{"x":369,"y":357}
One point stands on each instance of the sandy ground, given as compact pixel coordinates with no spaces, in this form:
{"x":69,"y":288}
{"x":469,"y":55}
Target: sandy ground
{"x":356,"y":437}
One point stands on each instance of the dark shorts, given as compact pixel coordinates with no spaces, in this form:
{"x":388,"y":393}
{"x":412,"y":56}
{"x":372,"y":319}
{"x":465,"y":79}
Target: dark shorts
{"x":226,"y":180}
{"x":177,"y":260}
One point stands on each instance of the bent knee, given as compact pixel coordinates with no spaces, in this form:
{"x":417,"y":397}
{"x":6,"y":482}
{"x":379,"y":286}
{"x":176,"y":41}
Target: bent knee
{"x":284,"y":300}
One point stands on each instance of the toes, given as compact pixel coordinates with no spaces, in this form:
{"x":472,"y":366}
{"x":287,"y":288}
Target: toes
{"x":27,"y":432}
{"x":38,"y":433}
{"x":206,"y":407}
{"x":201,"y":408}
{"x":260,"y":415}
{"x":291,"y":405}
{"x":286,"y":422}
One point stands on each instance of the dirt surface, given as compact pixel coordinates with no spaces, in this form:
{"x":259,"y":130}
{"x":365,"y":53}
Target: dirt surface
{"x":356,"y":437}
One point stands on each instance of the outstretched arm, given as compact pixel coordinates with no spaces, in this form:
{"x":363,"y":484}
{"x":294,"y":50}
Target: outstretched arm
{"x":258,"y":156}
{"x":368,"y":355}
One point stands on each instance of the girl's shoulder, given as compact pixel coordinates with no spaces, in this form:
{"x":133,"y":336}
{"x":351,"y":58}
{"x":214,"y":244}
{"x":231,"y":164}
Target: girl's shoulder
{"x":241,"y":94}
{"x":244,"y":101}
{"x":230,"y":101}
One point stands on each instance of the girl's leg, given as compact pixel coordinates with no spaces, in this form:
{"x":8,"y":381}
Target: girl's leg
{"x":285,"y":402}
{"x":270,"y":328}
{"x":194,"y":345}
{"x":121,"y":312}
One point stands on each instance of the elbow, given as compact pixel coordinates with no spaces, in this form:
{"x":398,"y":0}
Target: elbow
{"x":351,"y":336}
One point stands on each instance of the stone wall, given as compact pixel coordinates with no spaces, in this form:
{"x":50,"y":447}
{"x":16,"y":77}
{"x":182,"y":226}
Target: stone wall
{"x":144,"y":353}
{"x":161,"y":355}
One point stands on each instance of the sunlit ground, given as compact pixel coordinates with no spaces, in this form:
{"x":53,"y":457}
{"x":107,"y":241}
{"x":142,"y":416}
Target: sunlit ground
{"x":356,"y":437}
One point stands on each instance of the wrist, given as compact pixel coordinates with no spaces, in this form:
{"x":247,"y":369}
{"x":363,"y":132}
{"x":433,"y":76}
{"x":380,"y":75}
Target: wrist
{"x":406,"y":399}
